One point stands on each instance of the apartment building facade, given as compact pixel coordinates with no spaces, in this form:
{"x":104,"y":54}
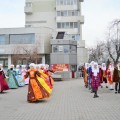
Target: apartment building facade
{"x":60,"y":16}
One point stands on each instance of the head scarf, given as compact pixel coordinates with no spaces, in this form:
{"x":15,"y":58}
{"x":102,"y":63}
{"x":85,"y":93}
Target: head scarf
{"x":17,"y":66}
{"x":95,"y":70}
{"x":111,"y":67}
{"x":103,"y":66}
{"x":32,"y":65}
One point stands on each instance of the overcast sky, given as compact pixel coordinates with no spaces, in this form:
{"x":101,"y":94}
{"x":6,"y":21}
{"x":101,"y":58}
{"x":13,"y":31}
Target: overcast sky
{"x":98,"y":14}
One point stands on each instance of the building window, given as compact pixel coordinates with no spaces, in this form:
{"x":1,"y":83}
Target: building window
{"x":55,"y":48}
{"x":61,"y":48}
{"x":58,"y":25}
{"x":67,"y":13}
{"x":73,"y":49}
{"x":61,"y":2}
{"x":22,"y":39}
{"x":58,"y":13}
{"x":3,"y":40}
{"x":66,"y":48}
{"x":66,"y":2}
{"x":28,"y":4}
{"x":75,"y":25}
{"x":75,"y":2}
{"x":67,"y":25}
{"x":71,"y":24}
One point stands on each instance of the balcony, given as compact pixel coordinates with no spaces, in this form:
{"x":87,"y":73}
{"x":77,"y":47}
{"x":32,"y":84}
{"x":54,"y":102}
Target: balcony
{"x":81,"y":19}
{"x":28,"y":10}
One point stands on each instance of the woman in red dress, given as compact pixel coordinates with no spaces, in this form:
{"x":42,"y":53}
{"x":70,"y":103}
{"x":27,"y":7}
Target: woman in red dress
{"x":3,"y":83}
{"x":110,"y":71}
{"x":95,"y":79}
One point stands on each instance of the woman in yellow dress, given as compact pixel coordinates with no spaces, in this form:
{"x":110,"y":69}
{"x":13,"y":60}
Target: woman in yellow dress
{"x":35,"y":90}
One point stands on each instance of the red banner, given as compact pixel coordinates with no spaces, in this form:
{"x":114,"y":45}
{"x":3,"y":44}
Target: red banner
{"x":60,"y":67}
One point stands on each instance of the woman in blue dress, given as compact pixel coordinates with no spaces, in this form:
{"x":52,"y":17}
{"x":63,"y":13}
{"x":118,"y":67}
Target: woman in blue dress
{"x":18,"y":76}
{"x":12,"y":82}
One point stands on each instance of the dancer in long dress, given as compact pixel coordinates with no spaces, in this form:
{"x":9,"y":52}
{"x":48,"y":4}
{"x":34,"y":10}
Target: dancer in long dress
{"x":43,"y":79}
{"x":95,"y":79}
{"x":35,"y":90}
{"x":104,"y":74}
{"x":116,"y":78}
{"x":85,"y":75}
{"x":48,"y":72}
{"x":110,"y":75}
{"x":23,"y":72}
{"x":12,"y":82}
{"x":18,"y":76}
{"x":3,"y":83}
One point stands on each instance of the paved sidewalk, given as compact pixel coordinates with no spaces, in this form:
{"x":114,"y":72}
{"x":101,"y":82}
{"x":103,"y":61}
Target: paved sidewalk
{"x":70,"y":101}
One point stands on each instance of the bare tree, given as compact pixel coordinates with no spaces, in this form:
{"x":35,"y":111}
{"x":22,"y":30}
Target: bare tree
{"x":109,"y":50}
{"x":96,"y":54}
{"x":113,"y":41}
{"x":30,"y":54}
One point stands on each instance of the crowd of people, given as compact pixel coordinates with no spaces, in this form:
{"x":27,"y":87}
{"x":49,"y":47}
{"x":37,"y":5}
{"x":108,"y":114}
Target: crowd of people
{"x":37,"y":77}
{"x":40,"y":83}
{"x":95,"y":75}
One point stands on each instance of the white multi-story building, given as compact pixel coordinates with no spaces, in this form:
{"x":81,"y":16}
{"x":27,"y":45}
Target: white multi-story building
{"x":43,"y":19}
{"x":59,"y":15}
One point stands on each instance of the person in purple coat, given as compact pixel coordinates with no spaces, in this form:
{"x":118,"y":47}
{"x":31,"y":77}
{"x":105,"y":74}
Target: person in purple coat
{"x":95,"y":79}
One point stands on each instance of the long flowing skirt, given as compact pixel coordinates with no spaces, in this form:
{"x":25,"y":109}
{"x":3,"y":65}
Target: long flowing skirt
{"x":36,"y":91}
{"x":47,"y":79}
{"x":3,"y":84}
{"x":45,"y":85}
{"x":52,"y":80}
{"x":12,"y":82}
{"x":19,"y":78}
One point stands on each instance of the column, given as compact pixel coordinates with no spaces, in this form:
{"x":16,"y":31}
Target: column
{"x":9,"y":60}
{"x":43,"y":59}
